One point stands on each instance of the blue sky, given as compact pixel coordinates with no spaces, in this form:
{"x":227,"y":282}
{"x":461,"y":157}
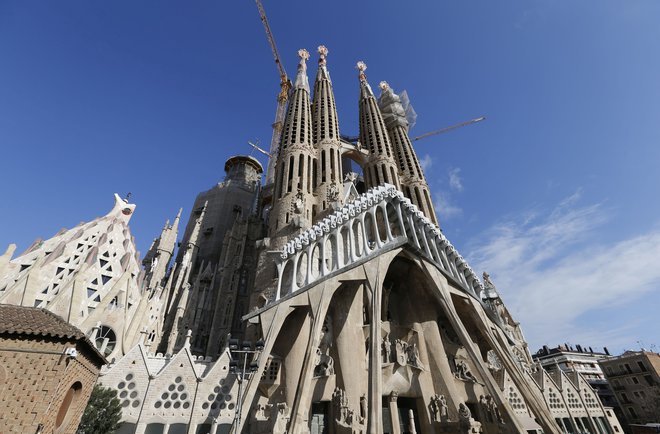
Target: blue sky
{"x":555,"y":194}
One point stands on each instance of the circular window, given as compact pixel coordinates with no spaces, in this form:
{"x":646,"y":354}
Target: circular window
{"x":106,"y":340}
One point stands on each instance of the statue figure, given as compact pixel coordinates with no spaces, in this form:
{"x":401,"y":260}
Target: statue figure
{"x":493,"y":411}
{"x":401,"y":350}
{"x":387,"y":350}
{"x":343,"y":415}
{"x":333,"y":193}
{"x":463,"y":372}
{"x":412,"y":353}
{"x":439,"y":409}
{"x":466,"y":422}
{"x":444,"y":409}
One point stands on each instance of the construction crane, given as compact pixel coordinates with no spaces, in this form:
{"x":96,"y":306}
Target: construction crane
{"x":257,"y":148}
{"x":282,"y":98}
{"x":446,"y":129}
{"x":354,"y":139}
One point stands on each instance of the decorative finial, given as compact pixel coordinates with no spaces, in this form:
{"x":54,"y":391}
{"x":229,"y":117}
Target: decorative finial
{"x":303,"y":54}
{"x":383,"y":85}
{"x":323,"y":53}
{"x":361,"y":66}
{"x":128,"y":196}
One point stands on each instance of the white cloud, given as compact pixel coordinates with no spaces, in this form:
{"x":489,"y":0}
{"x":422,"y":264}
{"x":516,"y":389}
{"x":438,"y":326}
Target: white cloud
{"x":426,"y":162}
{"x":455,"y":180}
{"x":552,"y":275}
{"x":444,"y":208}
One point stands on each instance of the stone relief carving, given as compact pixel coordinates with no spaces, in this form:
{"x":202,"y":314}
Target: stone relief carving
{"x":490,"y":408}
{"x":324,"y":362}
{"x":407,"y":354}
{"x":494,"y":362}
{"x":439,"y":409}
{"x":333,"y":193}
{"x":343,"y":415}
{"x":466,"y":421}
{"x":299,"y":203}
{"x":263,"y":411}
{"x":463,"y":373}
{"x":386,"y":350}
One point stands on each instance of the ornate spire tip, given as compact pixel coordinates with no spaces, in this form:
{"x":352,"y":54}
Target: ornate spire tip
{"x":303,"y":54}
{"x":383,"y":85}
{"x":361,"y":66}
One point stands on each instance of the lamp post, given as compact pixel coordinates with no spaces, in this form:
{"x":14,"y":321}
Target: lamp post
{"x":241,"y":354}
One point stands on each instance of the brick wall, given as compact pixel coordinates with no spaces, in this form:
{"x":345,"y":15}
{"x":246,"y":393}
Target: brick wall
{"x":35,"y":379}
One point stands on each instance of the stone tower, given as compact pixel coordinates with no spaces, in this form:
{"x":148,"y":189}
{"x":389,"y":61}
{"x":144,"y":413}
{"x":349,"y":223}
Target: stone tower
{"x":327,"y":171}
{"x":413,"y":183}
{"x":381,"y":166}
{"x":293,"y":199}
{"x":195,"y":281}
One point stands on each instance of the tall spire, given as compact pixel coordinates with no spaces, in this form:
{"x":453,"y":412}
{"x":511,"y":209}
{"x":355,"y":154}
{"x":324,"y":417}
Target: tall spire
{"x":293,"y":198}
{"x":302,"y":82}
{"x":381,"y":166}
{"x":325,"y":126}
{"x":413,"y":183}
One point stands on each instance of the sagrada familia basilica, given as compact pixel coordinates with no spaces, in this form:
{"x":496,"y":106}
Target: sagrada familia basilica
{"x":327,"y":300}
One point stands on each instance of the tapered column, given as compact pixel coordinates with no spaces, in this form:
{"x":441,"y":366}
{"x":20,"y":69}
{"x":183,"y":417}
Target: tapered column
{"x":375,"y":425}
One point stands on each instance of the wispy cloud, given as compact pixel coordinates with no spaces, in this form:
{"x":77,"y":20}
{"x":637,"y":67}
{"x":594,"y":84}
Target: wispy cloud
{"x":455,"y":179}
{"x":553,"y":274}
{"x":445,"y":208}
{"x":426,"y":162}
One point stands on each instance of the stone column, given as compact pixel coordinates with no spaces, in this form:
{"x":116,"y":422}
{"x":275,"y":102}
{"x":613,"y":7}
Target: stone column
{"x":375,"y":360}
{"x":394,"y":413}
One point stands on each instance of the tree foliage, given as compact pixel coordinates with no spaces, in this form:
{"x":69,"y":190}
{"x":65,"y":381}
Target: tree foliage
{"x":102,"y":414}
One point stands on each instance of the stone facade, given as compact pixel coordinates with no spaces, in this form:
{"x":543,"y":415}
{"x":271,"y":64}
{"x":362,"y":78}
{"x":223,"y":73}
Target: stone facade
{"x":370,"y":319}
{"x":47,"y":372}
{"x":90,"y":275}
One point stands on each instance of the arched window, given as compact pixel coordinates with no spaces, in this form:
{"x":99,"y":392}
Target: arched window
{"x":70,"y":401}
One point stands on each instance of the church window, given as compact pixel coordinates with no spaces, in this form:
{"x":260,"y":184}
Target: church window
{"x":106,"y":340}
{"x":105,"y":279}
{"x":322,"y":166}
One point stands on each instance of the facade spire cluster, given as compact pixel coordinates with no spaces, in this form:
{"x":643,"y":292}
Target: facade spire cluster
{"x":309,"y":175}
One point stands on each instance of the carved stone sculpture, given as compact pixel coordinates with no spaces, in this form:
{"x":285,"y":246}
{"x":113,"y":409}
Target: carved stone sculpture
{"x":343,"y":415}
{"x":493,"y":411}
{"x":401,"y":353}
{"x":439,"y":409}
{"x":387,"y":350}
{"x":463,"y":372}
{"x":466,"y":422}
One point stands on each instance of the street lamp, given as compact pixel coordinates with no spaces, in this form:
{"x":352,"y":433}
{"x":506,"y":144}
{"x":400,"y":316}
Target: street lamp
{"x":241,"y":355}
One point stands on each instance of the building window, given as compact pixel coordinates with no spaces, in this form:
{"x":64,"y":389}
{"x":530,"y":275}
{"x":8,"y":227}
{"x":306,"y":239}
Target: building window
{"x":642,"y":367}
{"x":632,"y":413}
{"x":635,"y":380}
{"x":649,"y":380}
{"x":105,"y":341}
{"x":70,"y":399}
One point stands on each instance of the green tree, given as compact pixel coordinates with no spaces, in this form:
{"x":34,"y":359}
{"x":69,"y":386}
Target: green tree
{"x":102,"y":414}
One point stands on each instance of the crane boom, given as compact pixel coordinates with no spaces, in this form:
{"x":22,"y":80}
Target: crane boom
{"x":282,"y":97}
{"x":271,"y":40}
{"x":453,"y":127}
